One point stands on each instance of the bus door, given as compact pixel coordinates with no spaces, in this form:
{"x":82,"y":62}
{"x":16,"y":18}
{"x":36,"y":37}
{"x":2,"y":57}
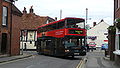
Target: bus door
{"x":43,"y":44}
{"x":50,"y":47}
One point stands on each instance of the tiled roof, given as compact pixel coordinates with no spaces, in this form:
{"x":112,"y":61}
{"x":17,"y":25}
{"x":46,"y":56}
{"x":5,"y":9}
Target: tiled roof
{"x":32,"y":21}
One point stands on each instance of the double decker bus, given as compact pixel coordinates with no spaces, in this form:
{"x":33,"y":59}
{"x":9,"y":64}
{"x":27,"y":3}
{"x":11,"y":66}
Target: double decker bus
{"x":65,"y":37}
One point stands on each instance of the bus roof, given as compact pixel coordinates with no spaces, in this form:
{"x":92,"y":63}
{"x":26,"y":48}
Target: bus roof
{"x":59,"y":21}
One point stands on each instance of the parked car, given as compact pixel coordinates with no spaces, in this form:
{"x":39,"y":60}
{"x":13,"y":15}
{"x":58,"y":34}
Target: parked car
{"x":104,"y":46}
{"x":92,"y":45}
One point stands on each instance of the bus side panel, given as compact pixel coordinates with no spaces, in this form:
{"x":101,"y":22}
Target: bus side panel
{"x":56,"y":33}
{"x":60,"y":33}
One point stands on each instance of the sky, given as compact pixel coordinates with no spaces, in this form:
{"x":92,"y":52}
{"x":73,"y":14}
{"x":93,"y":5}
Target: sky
{"x":97,"y":9}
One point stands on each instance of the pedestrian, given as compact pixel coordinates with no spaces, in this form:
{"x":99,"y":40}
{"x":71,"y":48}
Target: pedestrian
{"x":87,"y":48}
{"x":25,"y":47}
{"x":92,"y":48}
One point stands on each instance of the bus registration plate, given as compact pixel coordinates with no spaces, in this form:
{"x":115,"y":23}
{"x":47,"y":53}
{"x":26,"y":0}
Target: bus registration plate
{"x":76,"y":53}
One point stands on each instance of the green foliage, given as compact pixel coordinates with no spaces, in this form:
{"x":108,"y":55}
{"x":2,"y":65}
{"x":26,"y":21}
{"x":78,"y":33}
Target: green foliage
{"x":117,"y":20}
{"x":112,"y":28}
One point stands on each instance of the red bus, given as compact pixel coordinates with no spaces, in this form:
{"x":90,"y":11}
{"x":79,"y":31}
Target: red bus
{"x":65,"y":37}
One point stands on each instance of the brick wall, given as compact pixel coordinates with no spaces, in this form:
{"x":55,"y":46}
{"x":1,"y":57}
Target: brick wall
{"x":5,"y":29}
{"x":116,"y":15}
{"x":15,"y":48}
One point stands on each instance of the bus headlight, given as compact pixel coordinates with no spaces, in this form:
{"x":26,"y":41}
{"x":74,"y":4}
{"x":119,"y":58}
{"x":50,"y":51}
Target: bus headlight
{"x":67,"y":50}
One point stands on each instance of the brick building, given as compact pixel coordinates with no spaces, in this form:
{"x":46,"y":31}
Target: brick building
{"x":7,"y":11}
{"x":117,"y":33}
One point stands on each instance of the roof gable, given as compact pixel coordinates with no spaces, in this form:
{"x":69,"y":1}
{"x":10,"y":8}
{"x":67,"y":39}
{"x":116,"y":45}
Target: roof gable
{"x":16,"y":11}
{"x":100,"y":24}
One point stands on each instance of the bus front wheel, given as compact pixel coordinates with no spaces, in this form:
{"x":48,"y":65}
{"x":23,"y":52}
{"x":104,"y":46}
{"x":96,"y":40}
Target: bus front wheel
{"x":73,"y":56}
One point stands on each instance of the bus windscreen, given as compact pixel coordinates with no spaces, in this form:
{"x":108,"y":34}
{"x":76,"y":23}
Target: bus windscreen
{"x":73,"y":23}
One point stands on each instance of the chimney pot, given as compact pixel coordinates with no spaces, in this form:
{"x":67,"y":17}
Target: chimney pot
{"x":94,"y":24}
{"x":24,"y":11}
{"x":55,"y":18}
{"x":31,"y":9}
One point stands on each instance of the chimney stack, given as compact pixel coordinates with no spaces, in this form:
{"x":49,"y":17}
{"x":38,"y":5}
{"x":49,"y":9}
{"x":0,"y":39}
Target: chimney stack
{"x":94,"y":24}
{"x":24,"y":11}
{"x":31,"y":9}
{"x":102,"y":20}
{"x":55,"y":18}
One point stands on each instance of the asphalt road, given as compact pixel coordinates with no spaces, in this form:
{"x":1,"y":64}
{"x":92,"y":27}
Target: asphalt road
{"x":42,"y":61}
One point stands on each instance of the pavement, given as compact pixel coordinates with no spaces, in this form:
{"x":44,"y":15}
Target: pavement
{"x":7,"y":58}
{"x":97,"y":59}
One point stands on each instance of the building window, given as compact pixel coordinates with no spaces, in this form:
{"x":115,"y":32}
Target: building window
{"x":5,"y":16}
{"x":47,"y":22}
{"x":118,"y":39}
{"x":105,"y":33}
{"x":7,"y":0}
{"x":31,"y":36}
{"x":117,"y":4}
{"x":119,"y":43}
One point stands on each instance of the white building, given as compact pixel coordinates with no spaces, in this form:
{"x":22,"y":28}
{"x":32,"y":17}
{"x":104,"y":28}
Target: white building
{"x":28,"y":40}
{"x":98,"y":33}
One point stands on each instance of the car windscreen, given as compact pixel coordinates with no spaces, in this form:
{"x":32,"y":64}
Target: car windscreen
{"x":69,"y":44}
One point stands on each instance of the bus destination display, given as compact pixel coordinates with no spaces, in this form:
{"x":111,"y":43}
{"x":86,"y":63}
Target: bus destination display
{"x":76,"y":31}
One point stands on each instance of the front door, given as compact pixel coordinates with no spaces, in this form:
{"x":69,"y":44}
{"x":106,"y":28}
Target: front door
{"x":4,"y":43}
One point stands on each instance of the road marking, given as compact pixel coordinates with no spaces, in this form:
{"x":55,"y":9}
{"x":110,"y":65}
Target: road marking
{"x":30,"y":66}
{"x":81,"y":63}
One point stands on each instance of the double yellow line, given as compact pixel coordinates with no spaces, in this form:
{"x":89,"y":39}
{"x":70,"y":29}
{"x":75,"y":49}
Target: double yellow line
{"x":82,"y":63}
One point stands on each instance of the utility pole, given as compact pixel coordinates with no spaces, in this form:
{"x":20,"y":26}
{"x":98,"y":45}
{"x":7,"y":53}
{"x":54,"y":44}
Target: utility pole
{"x":60,"y":14}
{"x":86,"y":15}
{"x":85,"y":25}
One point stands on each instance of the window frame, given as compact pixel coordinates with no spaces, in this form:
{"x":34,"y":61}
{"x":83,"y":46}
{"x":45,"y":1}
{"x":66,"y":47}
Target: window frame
{"x":7,"y":0}
{"x":117,"y":4}
{"x":117,"y":40}
{"x":4,"y":16}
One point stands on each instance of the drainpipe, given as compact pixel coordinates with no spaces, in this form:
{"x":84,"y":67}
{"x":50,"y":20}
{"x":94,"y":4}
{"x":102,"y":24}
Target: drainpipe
{"x":11,"y":3}
{"x":10,"y":27}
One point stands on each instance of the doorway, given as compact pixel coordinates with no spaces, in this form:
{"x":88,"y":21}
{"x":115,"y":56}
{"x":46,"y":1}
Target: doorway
{"x":4,"y":43}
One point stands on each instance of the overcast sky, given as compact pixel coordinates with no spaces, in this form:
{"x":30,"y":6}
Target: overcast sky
{"x":97,"y":9}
